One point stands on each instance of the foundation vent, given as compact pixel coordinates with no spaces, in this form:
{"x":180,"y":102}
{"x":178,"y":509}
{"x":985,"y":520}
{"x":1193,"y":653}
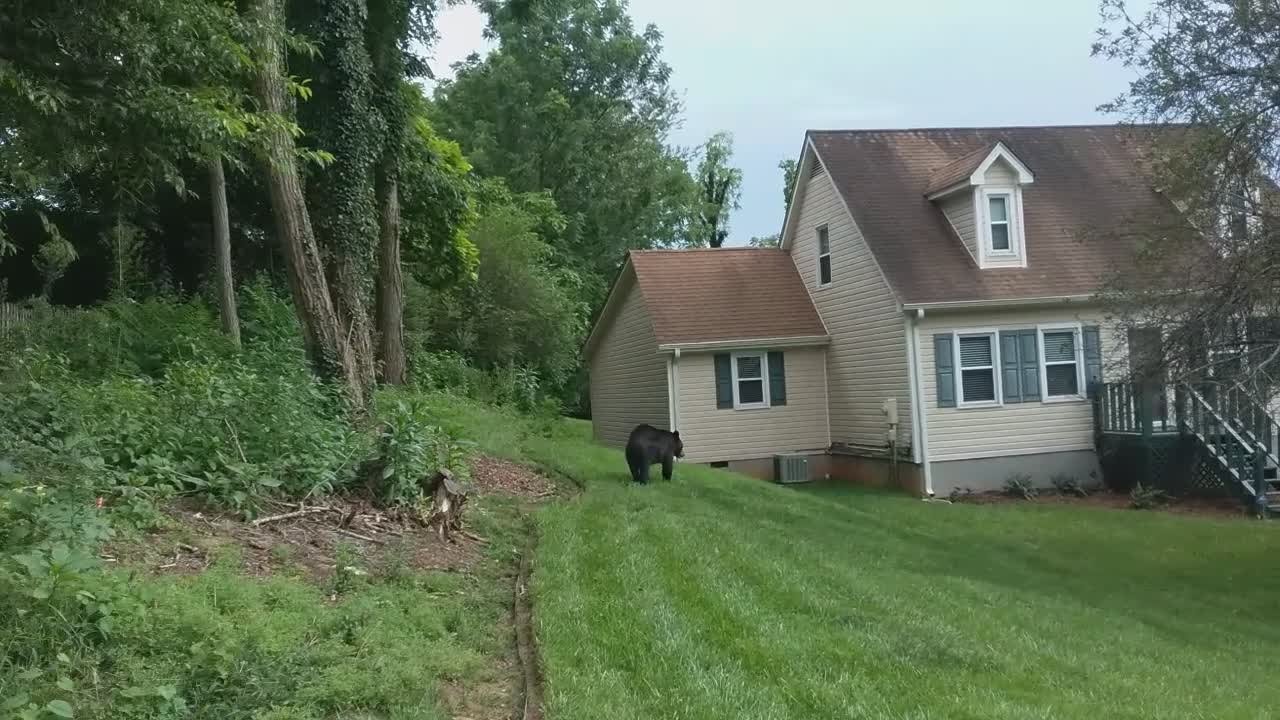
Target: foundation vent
{"x":791,"y":469}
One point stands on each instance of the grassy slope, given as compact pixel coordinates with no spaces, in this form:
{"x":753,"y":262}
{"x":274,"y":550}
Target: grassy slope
{"x":722,"y":597}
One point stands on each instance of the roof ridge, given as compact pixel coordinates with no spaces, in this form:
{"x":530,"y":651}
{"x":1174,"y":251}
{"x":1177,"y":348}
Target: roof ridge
{"x":703,"y":249}
{"x":992,"y":128}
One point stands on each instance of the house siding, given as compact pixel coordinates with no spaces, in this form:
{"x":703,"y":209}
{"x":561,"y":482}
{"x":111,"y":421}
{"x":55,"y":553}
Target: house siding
{"x":867,"y":358}
{"x":715,"y":435}
{"x":629,"y":383}
{"x":1001,"y":173}
{"x":958,"y":207}
{"x":1015,"y":428}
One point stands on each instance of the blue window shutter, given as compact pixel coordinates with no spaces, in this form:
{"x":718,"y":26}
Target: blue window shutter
{"x":945,"y":370}
{"x":724,"y":382}
{"x":777,"y":379}
{"x":1092,"y":357}
{"x":1010,"y":367}
{"x":1029,"y":355}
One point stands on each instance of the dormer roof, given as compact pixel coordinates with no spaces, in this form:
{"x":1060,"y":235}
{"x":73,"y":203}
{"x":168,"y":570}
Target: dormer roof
{"x":969,"y":170}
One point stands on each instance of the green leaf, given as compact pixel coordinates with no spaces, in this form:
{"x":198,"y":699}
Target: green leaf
{"x":63,"y":658}
{"x":15,"y":702}
{"x":31,"y":674}
{"x":271,"y":482}
{"x":66,"y":684}
{"x":61,"y":708}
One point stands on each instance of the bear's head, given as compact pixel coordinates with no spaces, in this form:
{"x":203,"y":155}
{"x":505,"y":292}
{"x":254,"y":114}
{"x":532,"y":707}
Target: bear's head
{"x":679,"y":444}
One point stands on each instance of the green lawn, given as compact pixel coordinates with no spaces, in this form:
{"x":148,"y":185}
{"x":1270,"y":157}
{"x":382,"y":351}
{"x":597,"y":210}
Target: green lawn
{"x":718,"y":596}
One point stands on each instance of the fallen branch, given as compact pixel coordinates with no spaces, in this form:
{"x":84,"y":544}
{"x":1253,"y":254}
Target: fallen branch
{"x":190,"y":548}
{"x":472,"y":536}
{"x":358,"y":536}
{"x":286,"y":516}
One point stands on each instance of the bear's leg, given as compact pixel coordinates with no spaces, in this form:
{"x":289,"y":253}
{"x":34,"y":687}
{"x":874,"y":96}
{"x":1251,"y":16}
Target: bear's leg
{"x":641,"y":473}
{"x":668,"y":464}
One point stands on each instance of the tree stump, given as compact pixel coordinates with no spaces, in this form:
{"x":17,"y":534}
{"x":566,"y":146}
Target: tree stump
{"x":447,"y":501}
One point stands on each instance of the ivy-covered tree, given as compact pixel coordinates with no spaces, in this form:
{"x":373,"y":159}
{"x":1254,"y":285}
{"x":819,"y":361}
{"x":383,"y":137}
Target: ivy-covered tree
{"x":719,"y":190}
{"x":789,"y":170}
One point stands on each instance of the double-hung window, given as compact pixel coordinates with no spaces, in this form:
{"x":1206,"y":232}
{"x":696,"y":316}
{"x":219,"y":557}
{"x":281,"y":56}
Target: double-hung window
{"x":749,"y":387}
{"x":824,"y":256}
{"x":1061,"y":365}
{"x":998,"y":214}
{"x":976,"y":358}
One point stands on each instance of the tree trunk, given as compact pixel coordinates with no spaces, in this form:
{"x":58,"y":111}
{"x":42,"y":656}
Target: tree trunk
{"x":327,"y":347}
{"x":222,"y":250}
{"x":390,"y":279}
{"x":349,"y":289}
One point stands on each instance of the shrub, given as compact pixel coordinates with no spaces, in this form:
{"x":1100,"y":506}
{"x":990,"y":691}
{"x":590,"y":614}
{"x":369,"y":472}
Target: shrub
{"x":960,"y":494}
{"x":1147,"y":498}
{"x":413,"y":447}
{"x":1068,"y":485}
{"x":1019,"y":485}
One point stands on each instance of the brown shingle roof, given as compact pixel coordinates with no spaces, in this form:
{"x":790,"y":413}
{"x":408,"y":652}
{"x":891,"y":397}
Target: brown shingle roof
{"x":1091,"y":191}
{"x":725,"y":294}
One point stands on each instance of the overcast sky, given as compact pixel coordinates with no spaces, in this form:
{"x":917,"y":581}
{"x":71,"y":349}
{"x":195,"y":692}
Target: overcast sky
{"x":767,"y":75}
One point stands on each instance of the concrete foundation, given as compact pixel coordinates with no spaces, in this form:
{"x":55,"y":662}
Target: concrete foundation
{"x":987,"y":474}
{"x":842,"y":467}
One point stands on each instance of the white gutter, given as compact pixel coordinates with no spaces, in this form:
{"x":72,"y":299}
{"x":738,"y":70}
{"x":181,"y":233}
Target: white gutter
{"x":919,"y":421}
{"x":966,"y":304}
{"x":798,"y":341}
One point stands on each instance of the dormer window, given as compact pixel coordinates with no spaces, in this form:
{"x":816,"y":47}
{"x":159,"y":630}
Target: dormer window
{"x":981,"y":196}
{"x":998,"y":220}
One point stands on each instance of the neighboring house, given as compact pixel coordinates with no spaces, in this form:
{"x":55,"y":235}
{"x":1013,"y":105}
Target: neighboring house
{"x":947,"y":273}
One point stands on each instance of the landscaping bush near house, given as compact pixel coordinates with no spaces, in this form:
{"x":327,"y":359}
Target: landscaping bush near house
{"x":1143,"y":497}
{"x":1019,"y":485}
{"x":1068,"y":485}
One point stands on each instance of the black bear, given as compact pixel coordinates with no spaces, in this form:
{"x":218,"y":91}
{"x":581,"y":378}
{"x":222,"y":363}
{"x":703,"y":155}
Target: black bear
{"x":648,"y":445}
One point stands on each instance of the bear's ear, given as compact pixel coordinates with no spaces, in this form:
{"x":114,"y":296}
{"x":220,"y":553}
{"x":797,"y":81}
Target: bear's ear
{"x":675,"y":434}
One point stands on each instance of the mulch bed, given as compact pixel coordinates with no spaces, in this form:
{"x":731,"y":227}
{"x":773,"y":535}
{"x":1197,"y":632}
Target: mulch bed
{"x":1201,"y":506}
{"x":308,"y":543}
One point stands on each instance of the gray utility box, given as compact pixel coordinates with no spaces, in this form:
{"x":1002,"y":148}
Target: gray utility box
{"x":790,"y":469}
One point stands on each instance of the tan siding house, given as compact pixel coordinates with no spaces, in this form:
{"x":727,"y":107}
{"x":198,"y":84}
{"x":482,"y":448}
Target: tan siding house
{"x":933,"y":293}
{"x":713,"y":434}
{"x":866,"y":362}
{"x":629,"y":375}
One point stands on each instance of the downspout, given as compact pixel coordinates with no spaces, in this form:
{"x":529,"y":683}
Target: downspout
{"x":919,"y":421}
{"x":671,"y":395}
{"x":675,"y":390}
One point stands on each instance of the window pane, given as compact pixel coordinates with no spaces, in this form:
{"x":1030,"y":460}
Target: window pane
{"x":999,"y":208}
{"x":750,"y":391}
{"x":1000,"y":236}
{"x":1061,"y":380}
{"x":1060,"y":346}
{"x":979,"y":385}
{"x":824,"y":269}
{"x":824,"y":242}
{"x":749,"y":366}
{"x":975,"y":350}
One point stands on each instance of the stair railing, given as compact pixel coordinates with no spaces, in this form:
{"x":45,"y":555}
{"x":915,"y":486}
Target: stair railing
{"x":1240,"y":456}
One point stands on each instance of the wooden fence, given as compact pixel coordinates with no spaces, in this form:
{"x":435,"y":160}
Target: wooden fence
{"x":12,"y":316}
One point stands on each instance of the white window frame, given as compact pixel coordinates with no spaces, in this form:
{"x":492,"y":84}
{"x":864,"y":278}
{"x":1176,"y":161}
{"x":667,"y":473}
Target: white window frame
{"x":1078,"y":330}
{"x":1016,"y":255}
{"x":818,"y":232}
{"x":764,"y":380}
{"x":1007,"y":197}
{"x":993,"y":336}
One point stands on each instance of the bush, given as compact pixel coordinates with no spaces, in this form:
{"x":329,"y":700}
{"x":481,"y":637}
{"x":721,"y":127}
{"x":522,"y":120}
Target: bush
{"x":1068,"y":485}
{"x":413,"y":447}
{"x":1147,"y":498}
{"x":1019,"y":485}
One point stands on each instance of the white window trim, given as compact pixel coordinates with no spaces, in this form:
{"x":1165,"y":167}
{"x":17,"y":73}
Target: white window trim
{"x":1016,"y":255}
{"x":764,"y":380}
{"x":994,"y":335}
{"x":1007,"y":222}
{"x":817,"y":238}
{"x":1078,"y":329}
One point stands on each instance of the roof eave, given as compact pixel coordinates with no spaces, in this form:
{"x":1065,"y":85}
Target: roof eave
{"x":1047,"y":300}
{"x":754,"y":343}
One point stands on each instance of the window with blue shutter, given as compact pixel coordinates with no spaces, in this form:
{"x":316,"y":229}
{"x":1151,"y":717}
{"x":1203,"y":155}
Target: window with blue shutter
{"x":777,"y":379}
{"x":977,"y":369}
{"x":1029,"y":362}
{"x":1019,"y":366}
{"x":724,"y":382}
{"x":1061,"y":363}
{"x":944,"y":370}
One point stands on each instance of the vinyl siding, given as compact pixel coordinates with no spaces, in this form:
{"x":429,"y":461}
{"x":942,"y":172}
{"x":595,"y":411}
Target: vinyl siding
{"x":958,"y":207}
{"x":1001,"y":173}
{"x":867,"y":359}
{"x":714,"y":435}
{"x":628,"y":375}
{"x":1016,"y":428}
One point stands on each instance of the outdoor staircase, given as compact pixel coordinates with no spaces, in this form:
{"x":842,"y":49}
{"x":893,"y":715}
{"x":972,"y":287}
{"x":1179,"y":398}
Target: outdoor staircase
{"x":1234,"y":436}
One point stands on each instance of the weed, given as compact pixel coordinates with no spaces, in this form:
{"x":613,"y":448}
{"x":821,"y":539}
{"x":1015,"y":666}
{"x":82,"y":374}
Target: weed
{"x":1143,"y":497}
